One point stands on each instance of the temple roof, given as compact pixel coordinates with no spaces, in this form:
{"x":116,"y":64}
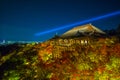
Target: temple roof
{"x":85,"y":30}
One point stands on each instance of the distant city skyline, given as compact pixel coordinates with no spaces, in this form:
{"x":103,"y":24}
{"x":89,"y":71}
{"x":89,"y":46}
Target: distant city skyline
{"x":12,"y":42}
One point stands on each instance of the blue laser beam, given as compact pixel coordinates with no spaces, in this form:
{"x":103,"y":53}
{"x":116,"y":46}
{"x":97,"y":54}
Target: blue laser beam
{"x":79,"y":23}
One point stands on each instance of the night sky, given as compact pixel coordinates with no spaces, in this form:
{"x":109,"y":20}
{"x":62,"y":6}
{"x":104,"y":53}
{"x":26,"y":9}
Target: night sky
{"x":20,"y":20}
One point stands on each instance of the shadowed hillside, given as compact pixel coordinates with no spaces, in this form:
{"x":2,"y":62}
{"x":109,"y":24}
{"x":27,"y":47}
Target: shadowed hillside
{"x":46,"y":61}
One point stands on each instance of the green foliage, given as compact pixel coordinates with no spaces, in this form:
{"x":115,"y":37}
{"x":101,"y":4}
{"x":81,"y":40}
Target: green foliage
{"x":113,"y":64}
{"x":103,"y":76}
{"x":11,"y":75}
{"x":84,"y":66}
{"x":93,"y":57}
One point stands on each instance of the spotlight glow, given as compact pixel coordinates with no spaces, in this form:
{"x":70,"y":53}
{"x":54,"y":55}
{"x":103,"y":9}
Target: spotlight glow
{"x":79,"y":23}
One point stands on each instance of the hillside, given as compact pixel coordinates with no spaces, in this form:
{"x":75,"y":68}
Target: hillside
{"x":46,"y":61}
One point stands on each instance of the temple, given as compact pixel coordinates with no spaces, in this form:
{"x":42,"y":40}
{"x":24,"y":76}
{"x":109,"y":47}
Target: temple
{"x":84,"y":30}
{"x":81,"y":35}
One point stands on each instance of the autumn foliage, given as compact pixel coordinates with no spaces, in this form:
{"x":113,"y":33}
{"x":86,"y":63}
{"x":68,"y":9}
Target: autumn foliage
{"x":83,"y":62}
{"x":46,"y":61}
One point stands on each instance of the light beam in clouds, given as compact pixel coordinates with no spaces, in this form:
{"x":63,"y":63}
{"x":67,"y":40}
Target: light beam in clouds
{"x":79,"y":23}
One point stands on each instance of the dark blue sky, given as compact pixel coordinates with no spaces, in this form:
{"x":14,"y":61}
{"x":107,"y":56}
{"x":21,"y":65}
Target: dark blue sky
{"x":21,"y":19}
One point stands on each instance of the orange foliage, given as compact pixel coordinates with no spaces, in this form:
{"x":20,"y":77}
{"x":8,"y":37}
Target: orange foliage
{"x":43,"y":45}
{"x":49,"y":49}
{"x":117,"y":48}
{"x":104,"y":49}
{"x":74,"y":75}
{"x":100,"y":70}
